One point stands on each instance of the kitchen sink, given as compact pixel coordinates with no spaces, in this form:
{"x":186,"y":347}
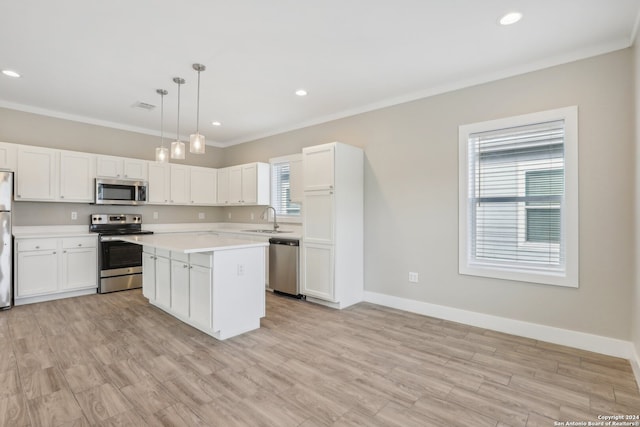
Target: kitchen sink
{"x":268,"y":231}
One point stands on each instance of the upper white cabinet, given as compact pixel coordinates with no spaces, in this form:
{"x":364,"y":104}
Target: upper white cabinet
{"x":223,"y":186}
{"x":318,"y":167}
{"x":76,"y":176}
{"x":203,"y":185}
{"x":43,"y":174}
{"x":121,"y":168}
{"x":244,"y":184}
{"x":159,"y":191}
{"x":36,"y":173}
{"x":179,"y":185}
{"x":8,"y":154}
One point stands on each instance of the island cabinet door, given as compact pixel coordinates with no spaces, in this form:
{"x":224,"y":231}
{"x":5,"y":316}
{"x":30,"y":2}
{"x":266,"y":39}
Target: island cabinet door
{"x":200,"y":295}
{"x":163,"y":281}
{"x":180,"y":288}
{"x":149,"y":274}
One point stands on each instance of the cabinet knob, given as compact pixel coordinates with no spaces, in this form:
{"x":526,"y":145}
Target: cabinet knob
{"x":62,"y":197}
{"x":184,"y":266}
{"x":79,"y":244}
{"x":126,"y":176}
{"x":19,"y":195}
{"x":172,"y":201}
{"x":37,"y":247}
{"x":191,"y":266}
{"x":64,"y":252}
{"x":54,"y":252}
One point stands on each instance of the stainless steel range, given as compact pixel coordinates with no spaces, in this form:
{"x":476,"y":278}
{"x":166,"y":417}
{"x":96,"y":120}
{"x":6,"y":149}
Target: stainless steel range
{"x":119,"y":263}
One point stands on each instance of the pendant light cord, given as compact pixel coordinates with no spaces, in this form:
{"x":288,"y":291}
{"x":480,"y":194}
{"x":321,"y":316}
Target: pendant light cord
{"x":178,"y":124}
{"x":162,"y":119}
{"x":198,"y":108}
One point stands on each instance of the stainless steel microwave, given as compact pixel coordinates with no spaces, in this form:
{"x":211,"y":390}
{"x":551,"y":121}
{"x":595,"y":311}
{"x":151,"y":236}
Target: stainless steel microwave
{"x":120,"y":192}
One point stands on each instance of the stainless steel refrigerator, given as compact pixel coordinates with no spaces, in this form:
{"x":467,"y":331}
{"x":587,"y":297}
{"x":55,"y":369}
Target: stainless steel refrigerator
{"x":6,"y":246}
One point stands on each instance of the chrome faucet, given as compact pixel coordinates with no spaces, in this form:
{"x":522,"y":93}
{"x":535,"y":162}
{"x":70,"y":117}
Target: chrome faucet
{"x":275,"y":219}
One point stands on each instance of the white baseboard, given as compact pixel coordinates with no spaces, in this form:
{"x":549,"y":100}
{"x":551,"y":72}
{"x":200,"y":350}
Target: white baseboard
{"x":581,"y":340}
{"x":635,"y":365}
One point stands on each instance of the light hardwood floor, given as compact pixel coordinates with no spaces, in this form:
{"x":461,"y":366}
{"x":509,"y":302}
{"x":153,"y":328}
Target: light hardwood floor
{"x":115,"y":360}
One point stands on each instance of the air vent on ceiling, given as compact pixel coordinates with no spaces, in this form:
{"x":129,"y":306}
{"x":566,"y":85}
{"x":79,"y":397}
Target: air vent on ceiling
{"x":144,"y":106}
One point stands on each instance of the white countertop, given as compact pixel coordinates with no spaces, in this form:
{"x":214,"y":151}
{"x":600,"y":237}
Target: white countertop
{"x":24,"y":232}
{"x":191,"y":242}
{"x":291,"y":231}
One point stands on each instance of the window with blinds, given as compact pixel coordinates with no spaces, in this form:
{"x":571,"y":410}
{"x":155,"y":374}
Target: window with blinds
{"x":515,"y":199}
{"x":280,"y":191}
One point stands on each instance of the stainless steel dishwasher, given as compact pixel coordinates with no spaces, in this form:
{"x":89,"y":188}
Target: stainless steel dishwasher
{"x":284,"y":260}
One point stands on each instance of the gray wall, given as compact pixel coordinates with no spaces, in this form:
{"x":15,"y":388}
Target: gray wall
{"x":411,"y":193}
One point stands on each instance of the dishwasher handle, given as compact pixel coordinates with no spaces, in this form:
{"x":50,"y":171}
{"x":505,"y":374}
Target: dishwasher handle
{"x":287,"y":242}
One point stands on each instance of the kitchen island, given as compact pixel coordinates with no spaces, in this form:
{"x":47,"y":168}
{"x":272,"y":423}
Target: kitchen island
{"x":212,"y":283}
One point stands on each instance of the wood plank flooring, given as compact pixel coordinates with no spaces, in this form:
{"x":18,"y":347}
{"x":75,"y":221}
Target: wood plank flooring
{"x":114,"y":360}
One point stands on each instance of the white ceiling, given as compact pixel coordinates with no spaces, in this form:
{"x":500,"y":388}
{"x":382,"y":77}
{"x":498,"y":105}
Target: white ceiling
{"x":92,"y":60}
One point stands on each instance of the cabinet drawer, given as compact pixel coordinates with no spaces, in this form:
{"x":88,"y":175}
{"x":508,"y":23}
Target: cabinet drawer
{"x":203,"y":260}
{"x":79,"y":242}
{"x":37,"y":244}
{"x":179,"y":256}
{"x":163,"y":253}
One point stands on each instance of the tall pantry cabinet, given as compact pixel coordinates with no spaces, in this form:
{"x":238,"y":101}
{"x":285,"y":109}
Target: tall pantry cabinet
{"x":333,"y":241}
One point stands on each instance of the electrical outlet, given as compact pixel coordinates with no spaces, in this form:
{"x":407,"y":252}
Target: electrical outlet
{"x":252,"y":216}
{"x":155,"y":215}
{"x":229,"y":215}
{"x":74,"y":215}
{"x":200,"y":215}
{"x":413,"y":277}
{"x":240,"y":269}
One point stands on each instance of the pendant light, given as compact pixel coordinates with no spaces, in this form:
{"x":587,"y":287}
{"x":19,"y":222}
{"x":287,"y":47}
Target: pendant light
{"x":162,"y":153}
{"x":177,"y":146}
{"x":196,"y":140}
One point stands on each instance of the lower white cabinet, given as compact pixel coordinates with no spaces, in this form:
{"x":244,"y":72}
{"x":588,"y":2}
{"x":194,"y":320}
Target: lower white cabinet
{"x":318,"y":280}
{"x":180,"y":287}
{"x":163,"y":280}
{"x":149,"y":269}
{"x":53,"y":268}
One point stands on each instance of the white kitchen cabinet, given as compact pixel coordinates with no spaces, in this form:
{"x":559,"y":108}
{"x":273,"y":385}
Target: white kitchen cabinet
{"x":37,"y":270}
{"x":8,"y":153}
{"x":296,"y":178}
{"x":121,"y":168}
{"x":318,"y":224}
{"x":203,"y":185}
{"x":318,"y":167}
{"x":235,"y":185}
{"x":43,"y":174}
{"x":244,"y":184}
{"x":223,"y":186}
{"x":77,"y":171}
{"x":149,"y":272}
{"x":179,"y":185}
{"x":163,"y":280}
{"x":36,"y":174}
{"x":79,"y":263}
{"x":333,"y":240}
{"x":53,"y":268}
{"x":319,"y":271}
{"x":159,"y":189}
{"x":180,"y":287}
{"x":200,"y":286}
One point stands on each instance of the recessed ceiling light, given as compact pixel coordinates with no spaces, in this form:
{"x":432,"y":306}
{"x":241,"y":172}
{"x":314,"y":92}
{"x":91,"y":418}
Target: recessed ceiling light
{"x":216,"y":123}
{"x":11,"y":73}
{"x":301,"y":92}
{"x":510,"y":18}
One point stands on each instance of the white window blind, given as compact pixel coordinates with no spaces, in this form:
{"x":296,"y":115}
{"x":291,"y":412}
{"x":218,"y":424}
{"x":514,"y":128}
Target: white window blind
{"x":516,"y":199}
{"x":281,"y":191}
